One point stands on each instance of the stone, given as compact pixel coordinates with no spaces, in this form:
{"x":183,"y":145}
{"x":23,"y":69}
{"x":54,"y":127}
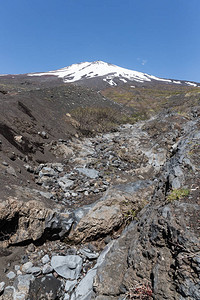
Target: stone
{"x":2,"y":286}
{"x":84,"y":289}
{"x":70,"y":284}
{"x":25,"y":267}
{"x":46,"y":195}
{"x":19,"y":296}
{"x":43,"y":134}
{"x":65,"y":183}
{"x":22,"y":283}
{"x":47,"y":287}
{"x":91,"y":173}
{"x":8,"y":293}
{"x":89,"y":254}
{"x":101,"y":219}
{"x":11,"y":275}
{"x":17,"y":267}
{"x":68,"y":267}
{"x":108,"y":213}
{"x":34,"y":270}
{"x":64,"y":151}
{"x":45,"y":259}
{"x":46,"y":269}
{"x":10,"y":170}
{"x":47,"y":171}
{"x":31,"y":248}
{"x":19,"y":272}
{"x":33,"y":219}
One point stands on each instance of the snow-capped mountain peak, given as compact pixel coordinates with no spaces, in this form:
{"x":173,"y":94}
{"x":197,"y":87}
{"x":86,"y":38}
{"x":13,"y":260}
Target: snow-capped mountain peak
{"x":107,"y":72}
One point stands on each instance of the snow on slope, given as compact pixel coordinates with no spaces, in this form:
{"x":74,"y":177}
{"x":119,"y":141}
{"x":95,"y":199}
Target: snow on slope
{"x":87,"y":70}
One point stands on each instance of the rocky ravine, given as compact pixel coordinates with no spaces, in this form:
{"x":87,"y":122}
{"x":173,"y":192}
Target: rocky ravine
{"x":113,"y":217}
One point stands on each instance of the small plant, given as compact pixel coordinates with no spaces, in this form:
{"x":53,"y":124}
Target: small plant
{"x":139,"y":291}
{"x":130,"y":215}
{"x":178,"y":194}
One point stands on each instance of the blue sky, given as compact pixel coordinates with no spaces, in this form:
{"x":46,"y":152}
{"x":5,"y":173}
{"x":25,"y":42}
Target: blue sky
{"x":159,"y":37}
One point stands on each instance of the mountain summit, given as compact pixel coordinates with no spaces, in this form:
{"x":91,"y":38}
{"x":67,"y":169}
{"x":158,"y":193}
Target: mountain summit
{"x":108,"y":73}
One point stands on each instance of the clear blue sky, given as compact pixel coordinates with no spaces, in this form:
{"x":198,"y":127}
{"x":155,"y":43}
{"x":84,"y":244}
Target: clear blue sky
{"x":159,"y":37}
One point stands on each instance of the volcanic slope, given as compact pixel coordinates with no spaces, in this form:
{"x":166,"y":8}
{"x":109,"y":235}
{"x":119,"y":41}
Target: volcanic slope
{"x":71,"y":188}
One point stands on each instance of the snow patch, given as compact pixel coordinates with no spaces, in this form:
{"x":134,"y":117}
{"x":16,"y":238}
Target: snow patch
{"x":123,"y":80}
{"x":191,"y":83}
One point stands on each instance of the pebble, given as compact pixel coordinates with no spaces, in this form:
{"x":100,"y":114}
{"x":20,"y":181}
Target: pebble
{"x":89,"y":254}
{"x":2,"y":286}
{"x":36,"y":271}
{"x":11,"y":275}
{"x":45,"y":259}
{"x":46,"y":269}
{"x":17,"y":267}
{"x":27,"y":266}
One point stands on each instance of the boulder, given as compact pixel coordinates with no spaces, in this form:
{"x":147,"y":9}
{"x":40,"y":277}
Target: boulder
{"x":68,"y":267}
{"x":24,"y":221}
{"x":47,"y":287}
{"x":119,"y":204}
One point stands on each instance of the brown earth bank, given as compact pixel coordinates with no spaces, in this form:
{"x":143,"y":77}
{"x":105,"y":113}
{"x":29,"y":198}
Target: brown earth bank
{"x":92,"y":207}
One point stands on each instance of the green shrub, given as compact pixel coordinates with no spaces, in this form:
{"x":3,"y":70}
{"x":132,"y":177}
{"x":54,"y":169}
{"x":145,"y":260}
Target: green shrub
{"x":178,"y":194}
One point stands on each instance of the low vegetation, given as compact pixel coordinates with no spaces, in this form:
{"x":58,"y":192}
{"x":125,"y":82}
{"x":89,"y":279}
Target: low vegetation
{"x":94,"y":120}
{"x":150,"y":101}
{"x":138,"y":290}
{"x":178,"y":194}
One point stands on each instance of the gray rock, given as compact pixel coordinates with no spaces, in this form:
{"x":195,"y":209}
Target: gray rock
{"x":85,"y":288}
{"x":10,"y":170}
{"x":65,"y":183}
{"x":46,"y":195}
{"x":19,"y":296}
{"x":70,"y":284}
{"x":43,"y":134}
{"x":45,"y":259}
{"x":2,"y":286}
{"x":8,"y":293}
{"x":89,"y":254}
{"x":34,"y":270}
{"x":17,"y":267}
{"x":46,"y":269}
{"x":68,"y":266}
{"x":57,"y":166}
{"x":91,"y":173}
{"x":46,"y":171}
{"x":29,"y":168}
{"x":190,"y":290}
{"x":74,"y":194}
{"x":11,"y":275}
{"x":22,"y":283}
{"x":27,"y":266}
